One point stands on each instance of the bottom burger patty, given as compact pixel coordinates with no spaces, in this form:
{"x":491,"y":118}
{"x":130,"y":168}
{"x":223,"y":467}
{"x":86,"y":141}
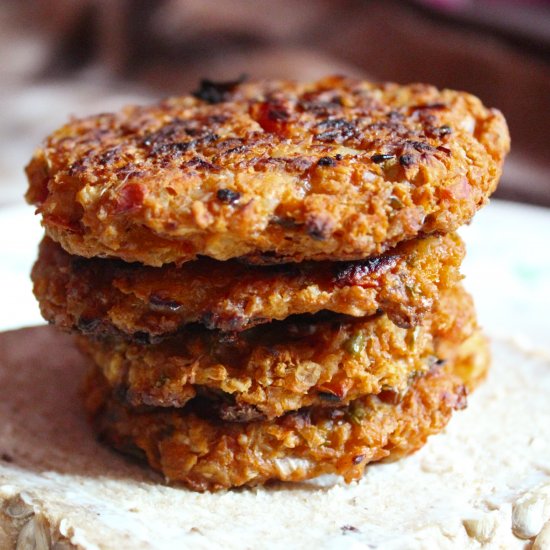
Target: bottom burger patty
{"x":191,"y":446}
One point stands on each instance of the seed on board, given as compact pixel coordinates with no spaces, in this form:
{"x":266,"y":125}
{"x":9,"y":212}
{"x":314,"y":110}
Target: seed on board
{"x":542,"y":542}
{"x":528,"y":515}
{"x":17,"y":508}
{"x":34,"y":535}
{"x":482,"y":529}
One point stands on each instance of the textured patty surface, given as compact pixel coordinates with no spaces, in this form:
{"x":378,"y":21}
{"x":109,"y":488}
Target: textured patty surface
{"x":273,"y":171}
{"x":287,"y":365}
{"x":207,"y":454}
{"x":102,"y":296}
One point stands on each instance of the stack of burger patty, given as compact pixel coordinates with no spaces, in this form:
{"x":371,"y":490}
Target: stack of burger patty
{"x":265,"y":275}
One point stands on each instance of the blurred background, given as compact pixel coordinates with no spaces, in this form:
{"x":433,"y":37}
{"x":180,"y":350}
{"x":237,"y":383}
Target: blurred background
{"x":73,"y":57}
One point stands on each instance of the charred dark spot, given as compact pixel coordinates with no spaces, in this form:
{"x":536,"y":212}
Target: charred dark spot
{"x":326,"y":161}
{"x":421,"y":146}
{"x":228,"y":196}
{"x":320,"y":107}
{"x":319,"y":228}
{"x":355,"y":273}
{"x":204,"y":127}
{"x":172,"y":150}
{"x":334,"y":124}
{"x":381,"y":158}
{"x":166,"y":133}
{"x":218,"y":119}
{"x":161,"y":302}
{"x":88,"y":325}
{"x":357,"y":459}
{"x":406,"y":160}
{"x":429,"y":106}
{"x":110,"y":156}
{"x":336,"y":129}
{"x":6,"y":457}
{"x":330,"y":397}
{"x":77,"y":167}
{"x":442,"y":131}
{"x":217,"y":92}
{"x":238,"y":149}
{"x":390,"y":127}
{"x":129,"y":170}
{"x":202,"y":164}
{"x":172,"y":139}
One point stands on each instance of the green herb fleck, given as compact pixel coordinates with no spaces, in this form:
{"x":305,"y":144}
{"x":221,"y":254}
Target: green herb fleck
{"x":412,"y":337}
{"x":355,"y":344}
{"x":395,"y":202}
{"x":356,"y":413}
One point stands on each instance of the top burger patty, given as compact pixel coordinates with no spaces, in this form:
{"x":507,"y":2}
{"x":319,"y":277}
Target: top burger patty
{"x":336,"y":169}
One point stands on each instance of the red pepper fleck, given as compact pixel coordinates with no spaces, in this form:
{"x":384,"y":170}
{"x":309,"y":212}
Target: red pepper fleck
{"x":63,"y":222}
{"x":272,"y":117}
{"x":130,"y":198}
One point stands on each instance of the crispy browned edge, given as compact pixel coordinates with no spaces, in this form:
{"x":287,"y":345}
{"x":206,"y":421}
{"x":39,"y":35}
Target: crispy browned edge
{"x":110,"y":297}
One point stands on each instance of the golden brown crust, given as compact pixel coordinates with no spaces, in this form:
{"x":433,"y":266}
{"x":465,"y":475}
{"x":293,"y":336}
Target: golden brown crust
{"x":286,"y":365}
{"x":334,"y":169}
{"x":206,"y":454}
{"x":100,"y":296}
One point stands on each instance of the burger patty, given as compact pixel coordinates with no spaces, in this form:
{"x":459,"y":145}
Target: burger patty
{"x":204,"y":453}
{"x":100,"y":296}
{"x":287,"y":365}
{"x":275,"y":171}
